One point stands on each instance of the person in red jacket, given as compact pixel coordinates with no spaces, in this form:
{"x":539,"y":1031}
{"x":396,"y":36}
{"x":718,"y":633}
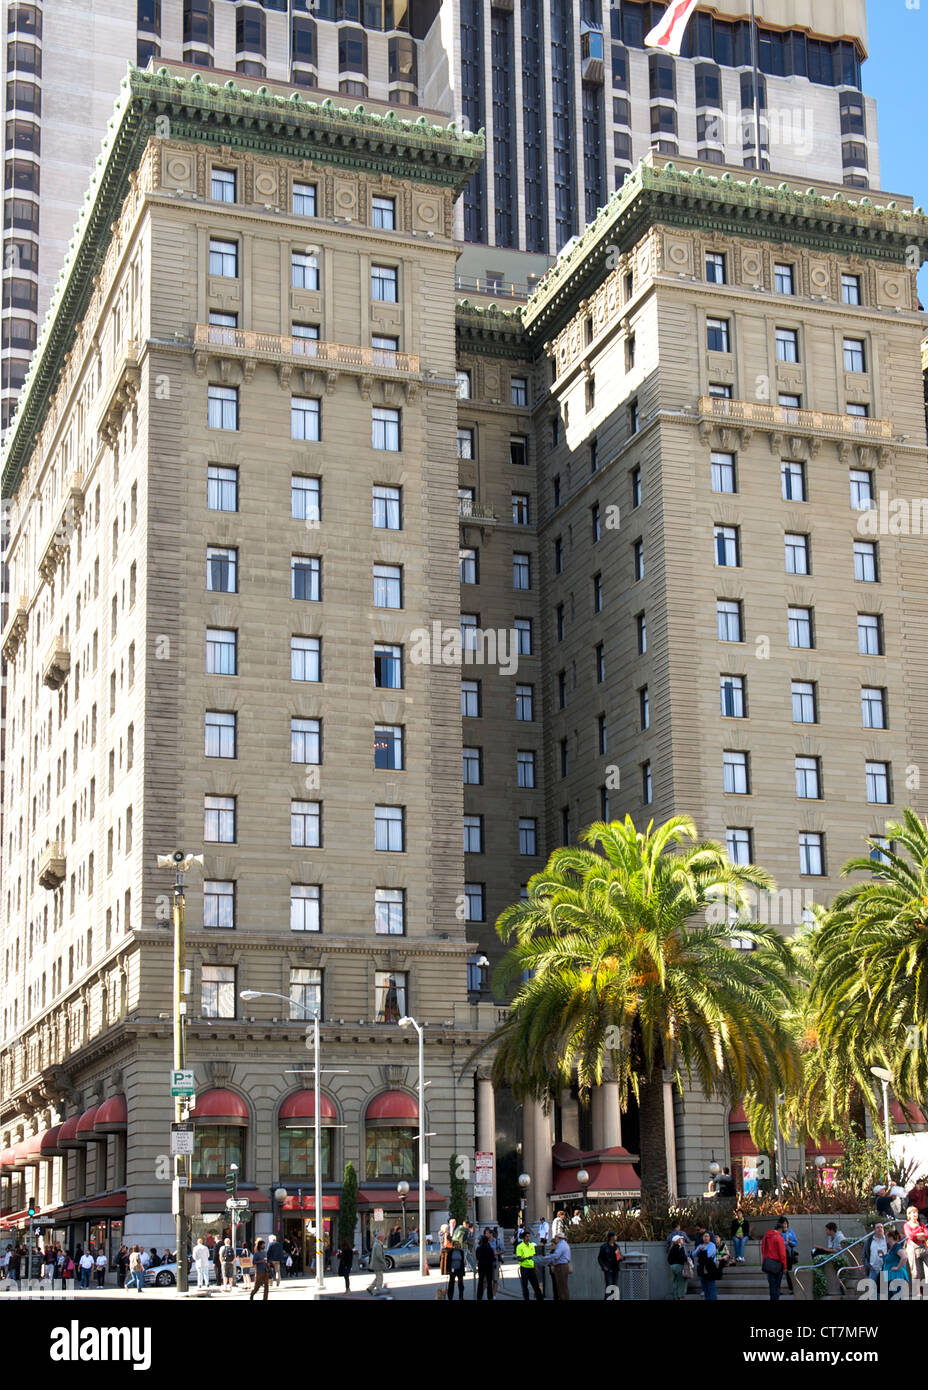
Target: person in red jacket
{"x":773,"y":1260}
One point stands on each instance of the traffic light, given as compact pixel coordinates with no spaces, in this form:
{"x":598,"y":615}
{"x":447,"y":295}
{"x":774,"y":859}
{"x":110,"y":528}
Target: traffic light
{"x":231,"y":1184}
{"x":31,"y":1209}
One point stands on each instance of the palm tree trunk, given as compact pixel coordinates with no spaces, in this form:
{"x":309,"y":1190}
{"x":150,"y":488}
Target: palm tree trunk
{"x":652,"y":1141}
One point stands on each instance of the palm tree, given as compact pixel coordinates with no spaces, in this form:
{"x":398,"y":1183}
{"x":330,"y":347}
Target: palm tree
{"x":870,"y":985}
{"x":624,"y":952}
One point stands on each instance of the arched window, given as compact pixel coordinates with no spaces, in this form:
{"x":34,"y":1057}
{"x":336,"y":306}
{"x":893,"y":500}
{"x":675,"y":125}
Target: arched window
{"x":220,"y":1121}
{"x":296,"y":1136}
{"x":391,"y":1127}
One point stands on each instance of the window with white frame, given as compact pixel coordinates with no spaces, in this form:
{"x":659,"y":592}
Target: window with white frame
{"x":305,"y":907}
{"x":793,"y":482}
{"x":306,"y":741}
{"x":787,"y":342}
{"x":305,"y":658}
{"x":221,"y":488}
{"x":811,"y":853}
{"x":221,"y":570}
{"x":219,"y":820}
{"x":735,"y":773}
{"x":223,"y":258}
{"x":305,"y":992}
{"x":305,"y":418}
{"x":796,"y":547}
{"x":869,"y":634}
{"x":722,"y":472}
{"x":304,"y":271}
{"x":221,"y":652}
{"x":305,"y":498}
{"x":217,"y":991}
{"x":855,"y":357}
{"x":861,"y":480}
{"x":220,"y":731}
{"x":387,"y":507}
{"x":306,"y":824}
{"x":805,"y":703}
{"x":865,"y":562}
{"x":219,"y":904}
{"x":878,"y":787}
{"x":783,"y":279}
{"x":389,"y":829}
{"x":388,"y":586}
{"x":728,"y":620}
{"x":808,"y":780}
{"x":385,"y":283}
{"x":731,"y":696}
{"x":222,"y":185}
{"x":385,"y":429}
{"x":850,"y":289}
{"x":383,"y":212}
{"x":873,"y":707}
{"x":726,"y":546}
{"x":304,"y":199}
{"x":389,"y":911}
{"x":222,"y":407}
{"x":306,"y":577}
{"x":799,"y":627}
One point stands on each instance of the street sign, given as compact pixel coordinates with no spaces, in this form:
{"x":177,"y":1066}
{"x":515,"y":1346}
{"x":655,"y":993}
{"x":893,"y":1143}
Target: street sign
{"x":182,"y":1139}
{"x":43,"y":1221}
{"x":378,"y":1213}
{"x":182,"y":1083}
{"x":236,"y":1203}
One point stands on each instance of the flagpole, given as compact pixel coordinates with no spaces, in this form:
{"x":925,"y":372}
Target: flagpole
{"x":756,"y":81}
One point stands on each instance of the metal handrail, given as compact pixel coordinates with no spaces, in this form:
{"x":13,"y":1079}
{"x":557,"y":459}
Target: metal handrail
{"x":834,"y":1254}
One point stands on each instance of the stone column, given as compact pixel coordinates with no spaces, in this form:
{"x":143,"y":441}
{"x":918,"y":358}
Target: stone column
{"x":537,"y":1130}
{"x":486,"y":1142}
{"x":607,"y":1117}
{"x":570,"y":1119}
{"x":670,"y":1138}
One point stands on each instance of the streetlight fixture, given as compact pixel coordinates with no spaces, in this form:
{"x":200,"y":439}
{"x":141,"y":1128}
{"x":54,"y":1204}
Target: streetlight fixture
{"x":885,"y":1076}
{"x":280,"y":1196}
{"x":233,"y":1210}
{"x":402,"y":1189}
{"x":583,"y":1178}
{"x":525,"y":1183}
{"x":820,"y":1161}
{"x":180,"y":862}
{"x":407,"y":1022}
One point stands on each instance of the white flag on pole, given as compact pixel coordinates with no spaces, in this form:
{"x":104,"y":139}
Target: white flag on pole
{"x":668,"y":35}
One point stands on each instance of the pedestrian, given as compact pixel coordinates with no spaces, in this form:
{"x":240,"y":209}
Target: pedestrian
{"x":14,"y":1265}
{"x":559,"y":1225}
{"x":895,"y":1265}
{"x":146,"y":1258}
{"x":884,"y":1203}
{"x":773,"y":1260}
{"x":201,"y":1261}
{"x":496,"y":1241}
{"x":725,"y":1184}
{"x":61,"y":1264}
{"x":85,"y":1265}
{"x":525,"y":1254}
{"x":678,"y":1260}
{"x":835,"y":1242}
{"x":559,"y":1260}
{"x":100,"y":1270}
{"x":262,"y":1279}
{"x":275,"y":1258}
{"x":246,"y":1264}
{"x":227,"y":1263}
{"x":740,"y":1233}
{"x":608,"y":1261}
{"x":706,"y":1267}
{"x":576,"y":1218}
{"x":122,"y":1265}
{"x":486,"y":1265}
{"x":875,"y":1249}
{"x":378,"y":1265}
{"x":918,"y":1197}
{"x":345,"y":1261}
{"x":48,"y":1263}
{"x":395,"y":1237}
{"x":916,"y":1248}
{"x":136,"y":1269}
{"x":456,"y":1267}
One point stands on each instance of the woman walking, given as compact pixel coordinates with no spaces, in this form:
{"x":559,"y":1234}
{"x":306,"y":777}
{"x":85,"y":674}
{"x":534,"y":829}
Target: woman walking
{"x":678,"y":1260}
{"x":740,"y":1233}
{"x":262,"y":1279}
{"x":345,"y":1261}
{"x":486,"y":1266}
{"x":136,"y":1269}
{"x":773,"y":1261}
{"x":916,"y":1249}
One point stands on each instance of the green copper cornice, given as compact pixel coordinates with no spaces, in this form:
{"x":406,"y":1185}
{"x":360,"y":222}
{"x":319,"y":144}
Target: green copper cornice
{"x":490,"y":329}
{"x":162,"y":104}
{"x":736,"y":207}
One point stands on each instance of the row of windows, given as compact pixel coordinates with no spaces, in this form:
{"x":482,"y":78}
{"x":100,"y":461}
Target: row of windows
{"x":223,"y":413}
{"x":518,"y":388}
{"x":518,"y":446}
{"x":220,"y":824}
{"x":736,"y":778}
{"x":784,"y":278}
{"x":224,"y":188}
{"x":739,"y":842}
{"x":304,"y":270}
{"x":793,"y":481}
{"x":797,"y":553}
{"x":805,"y":702}
{"x":221,"y":740}
{"x":800,"y":627}
{"x":305,"y":578}
{"x":222,"y":659}
{"x":719,"y":339}
{"x":218,"y":999}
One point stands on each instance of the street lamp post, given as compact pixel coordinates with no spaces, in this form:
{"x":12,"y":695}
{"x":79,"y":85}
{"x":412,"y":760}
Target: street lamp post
{"x":280,"y":1196}
{"x":820,"y":1161}
{"x":233,"y":1169}
{"x":583,"y":1178}
{"x":407,"y":1022}
{"x":402,"y":1189}
{"x":180,"y":863}
{"x":884,"y":1076}
{"x":525,"y":1183}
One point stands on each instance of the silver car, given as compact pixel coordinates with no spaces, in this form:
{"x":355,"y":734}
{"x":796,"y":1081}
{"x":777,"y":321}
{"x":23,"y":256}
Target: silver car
{"x":406,"y":1255}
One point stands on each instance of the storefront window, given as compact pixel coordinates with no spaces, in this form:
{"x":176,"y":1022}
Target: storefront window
{"x":215,"y":1147}
{"x":296,"y":1153}
{"x":391,"y":1152}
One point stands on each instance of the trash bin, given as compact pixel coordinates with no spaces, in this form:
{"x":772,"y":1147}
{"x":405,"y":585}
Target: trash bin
{"x":633,"y":1277}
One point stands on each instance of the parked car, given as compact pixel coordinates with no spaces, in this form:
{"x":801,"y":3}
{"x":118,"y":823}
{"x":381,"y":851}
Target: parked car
{"x":406,"y":1255}
{"x":164,"y":1276}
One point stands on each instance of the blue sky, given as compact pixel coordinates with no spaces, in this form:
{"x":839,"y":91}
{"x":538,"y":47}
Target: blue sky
{"x":895,"y":74}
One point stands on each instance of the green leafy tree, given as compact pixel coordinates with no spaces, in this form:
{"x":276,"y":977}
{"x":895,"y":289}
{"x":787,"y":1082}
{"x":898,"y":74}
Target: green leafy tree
{"x":348,"y":1208}
{"x":624,"y":965}
{"x":457,"y":1198}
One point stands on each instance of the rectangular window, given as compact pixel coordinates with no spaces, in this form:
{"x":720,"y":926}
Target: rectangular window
{"x":521,"y":570}
{"x":520,"y":509}
{"x":518,"y":390}
{"x":306,"y":741}
{"x":304,"y":199}
{"x":599,"y":661}
{"x":638,"y":559}
{"x":388,"y":747}
{"x":221,"y":570}
{"x":305,"y":907}
{"x":303,"y":339}
{"x":524,"y":642}
{"x":222,"y":185}
{"x":808,"y":781}
{"x":647,"y":784}
{"x":525,"y":768}
{"x":306,"y":577}
{"x":465,"y":444}
{"x":467,"y":565}
{"x":305,"y":499}
{"x":715,"y":267}
{"x":304,"y":271}
{"x":219,"y":904}
{"x":783,"y":279}
{"x":793,"y":482}
{"x":641,"y":632}
{"x":873,"y":707}
{"x":221,"y":652}
{"x":219,"y":820}
{"x":878,"y":788}
{"x":472,"y":766}
{"x":222,"y":407}
{"x":387,"y":508}
{"x":473,"y":834}
{"x":463,"y":380}
{"x":722,"y":471}
{"x":866,"y":569}
{"x":719,"y":391}
{"x":306,"y":824}
{"x":726,"y":546}
{"x":731,"y":696}
{"x":525,"y":703}
{"x":385,"y":284}
{"x":644,"y":708}
{"x":869,"y":634}
{"x":850,"y":289}
{"x":223,"y":258}
{"x":597,"y":593}
{"x":469,"y":624}
{"x":390,"y":995}
{"x":811,"y":853}
{"x":217,"y":991}
{"x":797,"y":553}
{"x":518,"y":450}
{"x":305,"y":418}
{"x":738,"y":845}
{"x":388,"y":667}
{"x":389,"y":829}
{"x":601,"y":735}
{"x":221,"y":488}
{"x":528,"y":835}
{"x":799,"y":622}
{"x":717,"y":335}
{"x":787,"y":340}
{"x":858,"y":410}
{"x":388,"y":586}
{"x":389,"y":912}
{"x":804,"y":702}
{"x":305,"y":992}
{"x":305,"y":658}
{"x":470,"y":699}
{"x":220,"y":734}
{"x":385,"y":429}
{"x":735,"y":773}
{"x":383,"y":213}
{"x":854,"y":355}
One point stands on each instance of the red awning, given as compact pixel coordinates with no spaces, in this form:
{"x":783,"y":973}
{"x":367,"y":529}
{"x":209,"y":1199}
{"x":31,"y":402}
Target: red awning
{"x":6,"y":1158}
{"x":741,"y":1145}
{"x":67,"y":1137}
{"x":18,"y":1218}
{"x":112,"y":1116}
{"x":85,"y":1127}
{"x":215,"y":1197}
{"x":48,"y":1142}
{"x":393,"y":1105}
{"x":829,"y":1148}
{"x":898,"y":1114}
{"x":25,"y":1153}
{"x":611,"y":1172}
{"x":221,"y":1108}
{"x":109,"y":1204}
{"x":374,"y":1197}
{"x":301,"y":1107}
{"x":331,"y":1201}
{"x":737,"y":1117}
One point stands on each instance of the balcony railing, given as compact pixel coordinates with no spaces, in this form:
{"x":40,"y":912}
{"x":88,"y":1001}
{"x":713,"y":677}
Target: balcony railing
{"x":249,"y":341}
{"x":52,"y":865}
{"x":469,"y":510}
{"x":499,"y":288}
{"x":859,"y":427}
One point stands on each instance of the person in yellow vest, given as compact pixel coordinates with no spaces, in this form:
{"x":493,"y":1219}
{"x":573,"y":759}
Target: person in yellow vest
{"x":525,"y":1254}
